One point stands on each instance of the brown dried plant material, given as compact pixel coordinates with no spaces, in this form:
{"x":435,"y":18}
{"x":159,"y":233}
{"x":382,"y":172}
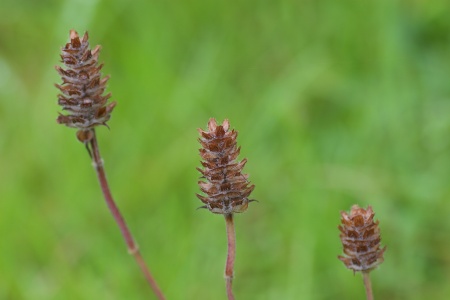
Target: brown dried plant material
{"x":226,"y":188}
{"x":82,"y":87}
{"x":360,"y":237}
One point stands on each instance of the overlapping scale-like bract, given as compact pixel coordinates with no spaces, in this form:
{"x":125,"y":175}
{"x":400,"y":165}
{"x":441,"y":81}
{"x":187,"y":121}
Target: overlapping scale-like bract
{"x":361,"y":239}
{"x":82,"y":87}
{"x":226,"y":188}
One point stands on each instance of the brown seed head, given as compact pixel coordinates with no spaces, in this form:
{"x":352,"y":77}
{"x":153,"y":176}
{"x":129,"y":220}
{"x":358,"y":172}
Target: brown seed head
{"x":226,"y":188}
{"x":82,"y":86}
{"x":360,"y":237}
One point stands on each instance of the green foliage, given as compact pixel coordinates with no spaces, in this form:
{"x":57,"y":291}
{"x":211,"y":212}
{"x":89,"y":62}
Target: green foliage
{"x":336,"y":103}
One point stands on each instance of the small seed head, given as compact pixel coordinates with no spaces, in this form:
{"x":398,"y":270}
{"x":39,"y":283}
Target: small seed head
{"x":360,"y":237}
{"x":82,"y":87}
{"x":226,"y":187}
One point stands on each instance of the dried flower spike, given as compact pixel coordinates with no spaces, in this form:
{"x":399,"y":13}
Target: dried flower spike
{"x":227,"y":189}
{"x":360,"y":237}
{"x":82,"y":87}
{"x":82,"y":90}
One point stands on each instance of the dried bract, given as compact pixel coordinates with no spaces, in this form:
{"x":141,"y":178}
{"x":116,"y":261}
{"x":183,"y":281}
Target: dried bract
{"x":226,"y":188}
{"x":360,"y":237}
{"x":82,"y":86}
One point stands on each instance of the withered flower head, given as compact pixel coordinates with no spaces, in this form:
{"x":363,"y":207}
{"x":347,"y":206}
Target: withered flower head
{"x":360,"y":237}
{"x":82,"y":86}
{"x":226,"y":188}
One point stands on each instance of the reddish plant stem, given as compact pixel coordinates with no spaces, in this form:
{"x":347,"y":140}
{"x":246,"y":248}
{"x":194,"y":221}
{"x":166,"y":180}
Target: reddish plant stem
{"x":229,"y":268}
{"x":368,"y":285}
{"x":133,"y":248}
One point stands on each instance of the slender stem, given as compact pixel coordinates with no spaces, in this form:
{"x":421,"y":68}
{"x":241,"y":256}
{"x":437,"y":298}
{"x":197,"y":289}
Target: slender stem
{"x":133,"y":248}
{"x":368,"y":285}
{"x":229,"y":268}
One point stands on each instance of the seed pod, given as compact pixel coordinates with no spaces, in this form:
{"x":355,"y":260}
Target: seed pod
{"x":360,"y":237}
{"x":226,"y":188}
{"x":82,"y":86}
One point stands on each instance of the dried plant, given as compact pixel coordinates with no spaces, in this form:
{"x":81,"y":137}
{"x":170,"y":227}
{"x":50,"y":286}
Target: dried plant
{"x":82,"y":96}
{"x":361,"y":239}
{"x":226,"y":187}
{"x":82,"y":88}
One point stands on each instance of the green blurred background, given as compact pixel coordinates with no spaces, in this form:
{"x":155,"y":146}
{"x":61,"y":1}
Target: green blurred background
{"x":336,"y":103}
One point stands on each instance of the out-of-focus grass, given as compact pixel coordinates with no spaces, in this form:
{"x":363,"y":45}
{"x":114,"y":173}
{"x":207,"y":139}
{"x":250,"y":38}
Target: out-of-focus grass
{"x":336,"y":103}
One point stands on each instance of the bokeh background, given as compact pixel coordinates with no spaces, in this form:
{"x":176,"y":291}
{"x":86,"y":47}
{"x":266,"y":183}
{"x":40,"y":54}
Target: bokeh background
{"x":336,"y":103}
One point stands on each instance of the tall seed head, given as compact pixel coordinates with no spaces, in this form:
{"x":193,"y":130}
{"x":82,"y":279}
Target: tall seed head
{"x":82,"y":87}
{"x":360,"y":237}
{"x":226,"y":188}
